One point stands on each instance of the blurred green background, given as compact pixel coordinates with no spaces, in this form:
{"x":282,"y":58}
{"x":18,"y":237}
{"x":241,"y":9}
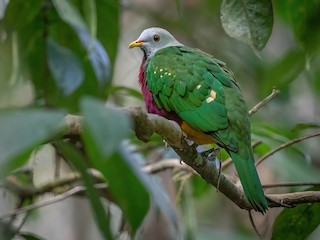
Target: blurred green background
{"x":53,"y":53}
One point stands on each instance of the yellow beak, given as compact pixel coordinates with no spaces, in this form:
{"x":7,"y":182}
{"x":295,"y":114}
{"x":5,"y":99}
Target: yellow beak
{"x":136,"y":43}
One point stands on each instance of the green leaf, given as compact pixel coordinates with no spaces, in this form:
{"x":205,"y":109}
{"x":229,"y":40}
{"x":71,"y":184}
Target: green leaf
{"x":125,"y":185}
{"x":97,"y":55}
{"x":65,"y":67}
{"x":106,"y":126}
{"x":199,"y":187}
{"x":98,"y":58}
{"x":6,"y":230}
{"x":108,"y":31}
{"x":303,"y":18}
{"x":104,"y":130}
{"x":20,"y":13}
{"x":303,"y":126}
{"x":69,"y":14}
{"x":296,"y":223}
{"x":78,"y":161}
{"x":30,"y":236}
{"x":249,"y":21}
{"x":127,"y":90}
{"x":90,"y":14}
{"x":283,"y":72}
{"x":21,"y":130}
{"x":158,"y":193}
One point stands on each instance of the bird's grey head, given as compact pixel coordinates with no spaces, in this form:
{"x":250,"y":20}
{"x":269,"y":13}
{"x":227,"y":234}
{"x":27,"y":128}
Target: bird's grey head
{"x":153,"y":39}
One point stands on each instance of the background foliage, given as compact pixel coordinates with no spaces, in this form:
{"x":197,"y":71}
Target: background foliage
{"x":67,"y":56}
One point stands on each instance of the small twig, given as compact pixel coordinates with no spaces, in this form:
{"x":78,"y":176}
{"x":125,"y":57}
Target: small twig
{"x":302,"y":184}
{"x":256,"y":108}
{"x":57,"y":161}
{"x":55,"y":199}
{"x":292,"y":199}
{"x":253,"y":224}
{"x":166,"y":164}
{"x":284,"y":145}
{"x":183,"y":182}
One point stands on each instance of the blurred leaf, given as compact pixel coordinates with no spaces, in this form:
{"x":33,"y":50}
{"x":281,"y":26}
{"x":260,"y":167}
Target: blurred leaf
{"x":65,"y":67}
{"x":296,"y":223}
{"x":6,"y":230}
{"x":126,"y":186}
{"x":188,"y":212}
{"x":282,"y":73}
{"x":97,"y":55}
{"x":30,"y":236}
{"x":178,"y":6}
{"x":98,"y":58}
{"x":199,"y":187}
{"x":277,"y":135}
{"x":90,"y":14}
{"x":20,"y":13}
{"x":105,"y":128}
{"x":209,"y":233}
{"x":130,"y":91}
{"x":262,"y":149}
{"x":155,"y":188}
{"x":249,"y":21}
{"x":23,"y":129}
{"x":78,"y":161}
{"x":69,"y":14}
{"x":304,"y":19}
{"x":108,"y":30}
{"x":290,"y":165}
{"x":303,"y":126}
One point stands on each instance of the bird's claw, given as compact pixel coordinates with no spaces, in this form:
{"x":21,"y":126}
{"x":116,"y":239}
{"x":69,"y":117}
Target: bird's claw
{"x":211,"y":154}
{"x":166,"y":145}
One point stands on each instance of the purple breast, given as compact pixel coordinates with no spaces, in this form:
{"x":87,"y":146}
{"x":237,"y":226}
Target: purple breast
{"x":148,"y":98}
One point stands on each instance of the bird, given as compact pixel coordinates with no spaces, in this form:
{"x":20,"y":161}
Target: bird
{"x":200,"y":93}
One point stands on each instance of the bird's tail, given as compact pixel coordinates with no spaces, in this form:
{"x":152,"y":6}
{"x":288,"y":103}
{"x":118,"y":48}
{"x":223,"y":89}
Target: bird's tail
{"x":250,"y":180}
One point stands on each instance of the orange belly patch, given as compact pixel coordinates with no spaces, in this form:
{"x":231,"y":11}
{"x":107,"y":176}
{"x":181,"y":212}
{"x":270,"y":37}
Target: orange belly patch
{"x":198,"y":137}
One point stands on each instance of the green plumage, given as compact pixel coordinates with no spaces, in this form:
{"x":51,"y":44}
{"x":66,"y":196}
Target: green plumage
{"x":203,"y":93}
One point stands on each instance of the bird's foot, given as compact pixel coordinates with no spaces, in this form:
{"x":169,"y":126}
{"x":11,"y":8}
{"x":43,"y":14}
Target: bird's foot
{"x":166,"y":144}
{"x":211,"y":155}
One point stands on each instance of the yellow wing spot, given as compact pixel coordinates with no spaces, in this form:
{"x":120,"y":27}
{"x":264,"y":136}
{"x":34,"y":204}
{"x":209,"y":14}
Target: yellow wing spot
{"x":161,"y":69}
{"x":155,"y":72}
{"x":212,"y":96}
{"x":165,"y":73}
{"x":198,"y":86}
{"x":169,"y":74}
{"x":161,"y":76}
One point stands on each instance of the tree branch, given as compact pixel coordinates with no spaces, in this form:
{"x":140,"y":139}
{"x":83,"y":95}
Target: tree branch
{"x":147,"y":124}
{"x":290,"y":184}
{"x":256,"y":108}
{"x":284,"y":145}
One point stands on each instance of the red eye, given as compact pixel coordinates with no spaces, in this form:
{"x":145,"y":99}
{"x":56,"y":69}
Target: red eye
{"x":156,"y":38}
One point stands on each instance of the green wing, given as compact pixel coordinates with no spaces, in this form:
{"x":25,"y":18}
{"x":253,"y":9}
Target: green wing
{"x":203,"y":92}
{"x":182,"y":79}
